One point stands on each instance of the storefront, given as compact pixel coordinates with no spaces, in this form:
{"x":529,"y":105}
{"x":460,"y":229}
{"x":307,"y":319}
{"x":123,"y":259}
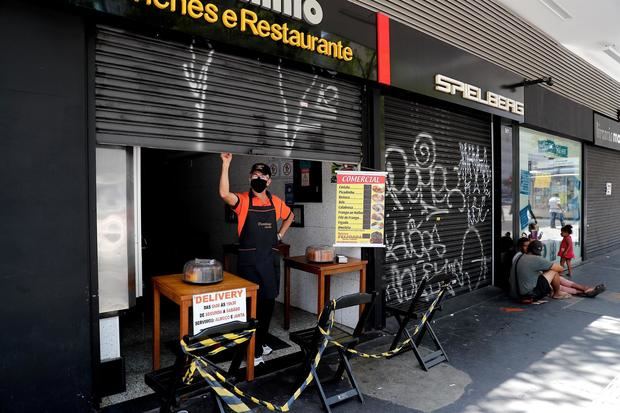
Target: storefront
{"x":550,"y":185}
{"x":439,"y":155}
{"x":549,"y":171}
{"x":602,"y":178}
{"x":167,"y":105}
{"x":138,"y":99}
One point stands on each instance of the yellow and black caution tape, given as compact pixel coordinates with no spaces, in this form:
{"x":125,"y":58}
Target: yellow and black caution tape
{"x":217,"y":380}
{"x":390,"y":353}
{"x":218,"y":343}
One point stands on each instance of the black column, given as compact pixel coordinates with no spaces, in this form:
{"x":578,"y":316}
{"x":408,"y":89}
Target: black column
{"x":45,"y":291}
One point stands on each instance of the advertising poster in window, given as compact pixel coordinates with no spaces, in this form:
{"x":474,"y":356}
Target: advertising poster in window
{"x":360,"y":209}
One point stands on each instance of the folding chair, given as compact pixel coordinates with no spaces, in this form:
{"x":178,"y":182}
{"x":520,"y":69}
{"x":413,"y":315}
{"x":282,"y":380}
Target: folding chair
{"x":168,"y":382}
{"x":311,"y":339}
{"x":413,"y":310}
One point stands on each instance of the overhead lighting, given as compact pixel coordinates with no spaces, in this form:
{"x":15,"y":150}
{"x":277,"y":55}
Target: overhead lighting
{"x":611,"y":51}
{"x":557,"y":9}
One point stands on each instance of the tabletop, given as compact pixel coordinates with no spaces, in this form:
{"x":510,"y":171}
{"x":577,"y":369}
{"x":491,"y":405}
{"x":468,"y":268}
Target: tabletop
{"x":174,"y":284}
{"x":301,"y":262}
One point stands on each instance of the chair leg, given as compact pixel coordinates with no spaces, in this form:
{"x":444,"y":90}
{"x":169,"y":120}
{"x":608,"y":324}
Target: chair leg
{"x":416,"y":352}
{"x":402,"y":327}
{"x":421,"y":334}
{"x":347,"y":366}
{"x":436,"y":341}
{"x":235,"y":363}
{"x":320,"y":388}
{"x":218,"y":402}
{"x":339,"y":371}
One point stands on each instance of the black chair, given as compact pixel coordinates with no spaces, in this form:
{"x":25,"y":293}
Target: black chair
{"x":311,"y":339}
{"x":168,"y":382}
{"x":412,"y":311}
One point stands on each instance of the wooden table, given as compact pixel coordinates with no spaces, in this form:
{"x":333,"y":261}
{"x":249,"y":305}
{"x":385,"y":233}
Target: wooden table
{"x":174,"y":288}
{"x":323,"y":273}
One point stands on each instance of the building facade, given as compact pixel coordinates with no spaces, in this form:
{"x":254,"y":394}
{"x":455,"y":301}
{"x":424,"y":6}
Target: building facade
{"x":105,"y":101}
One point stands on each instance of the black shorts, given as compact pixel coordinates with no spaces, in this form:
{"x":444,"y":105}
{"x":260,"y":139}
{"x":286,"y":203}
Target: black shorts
{"x":542,"y":288}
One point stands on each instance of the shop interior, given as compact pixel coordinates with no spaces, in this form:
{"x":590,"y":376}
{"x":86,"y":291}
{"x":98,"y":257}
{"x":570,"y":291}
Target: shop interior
{"x":550,"y":172}
{"x":161,"y":208}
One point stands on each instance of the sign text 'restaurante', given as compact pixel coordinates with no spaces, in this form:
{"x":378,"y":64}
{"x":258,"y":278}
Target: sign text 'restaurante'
{"x":247,"y":21}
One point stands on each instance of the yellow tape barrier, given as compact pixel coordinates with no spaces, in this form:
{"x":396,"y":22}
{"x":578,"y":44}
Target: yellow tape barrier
{"x":217,"y":380}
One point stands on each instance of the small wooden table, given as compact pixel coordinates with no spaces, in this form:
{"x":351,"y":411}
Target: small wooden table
{"x":174,"y":288}
{"x":323,"y":272}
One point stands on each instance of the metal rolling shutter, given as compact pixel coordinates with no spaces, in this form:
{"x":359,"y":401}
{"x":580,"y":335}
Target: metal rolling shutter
{"x":491,"y":31}
{"x":438,"y":199}
{"x":169,"y":95}
{"x":602,"y":211}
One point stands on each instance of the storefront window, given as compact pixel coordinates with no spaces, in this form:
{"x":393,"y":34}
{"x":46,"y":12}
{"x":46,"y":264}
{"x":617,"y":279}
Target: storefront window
{"x":550,"y":189}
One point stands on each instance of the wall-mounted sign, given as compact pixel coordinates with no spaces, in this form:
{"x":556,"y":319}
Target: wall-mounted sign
{"x":451,"y":86}
{"x":286,"y":168}
{"x":608,"y":188}
{"x":524,"y":182}
{"x":309,"y":11}
{"x":213,"y":309}
{"x":360,"y":209}
{"x":606,"y":132}
{"x":549,"y":147}
{"x":250,"y":22}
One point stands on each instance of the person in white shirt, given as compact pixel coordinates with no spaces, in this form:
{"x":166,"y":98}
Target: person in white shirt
{"x":555,"y":210}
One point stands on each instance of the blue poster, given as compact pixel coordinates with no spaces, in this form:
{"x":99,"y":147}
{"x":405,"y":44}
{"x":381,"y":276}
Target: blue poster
{"x":523,"y":217}
{"x":524,"y":182}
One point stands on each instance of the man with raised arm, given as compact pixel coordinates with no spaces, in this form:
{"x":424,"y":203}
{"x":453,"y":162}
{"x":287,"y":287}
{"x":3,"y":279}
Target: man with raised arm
{"x":258,"y":213}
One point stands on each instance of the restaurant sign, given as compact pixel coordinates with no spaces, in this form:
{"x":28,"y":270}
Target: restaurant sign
{"x":221,"y":307}
{"x":606,"y":132}
{"x":250,"y":22}
{"x":360,"y":209}
{"x":309,"y":11}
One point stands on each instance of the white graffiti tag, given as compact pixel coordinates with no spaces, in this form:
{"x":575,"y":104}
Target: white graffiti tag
{"x":425,"y":200}
{"x":474,"y":173}
{"x":197,"y":75}
{"x":305,"y":114}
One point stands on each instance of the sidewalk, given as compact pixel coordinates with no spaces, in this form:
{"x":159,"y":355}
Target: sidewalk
{"x":561,"y":356}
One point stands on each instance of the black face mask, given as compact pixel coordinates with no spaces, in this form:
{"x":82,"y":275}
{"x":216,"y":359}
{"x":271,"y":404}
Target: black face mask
{"x":258,"y":184}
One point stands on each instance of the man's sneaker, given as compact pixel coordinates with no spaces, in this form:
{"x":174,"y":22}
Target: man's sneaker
{"x":267,"y":350}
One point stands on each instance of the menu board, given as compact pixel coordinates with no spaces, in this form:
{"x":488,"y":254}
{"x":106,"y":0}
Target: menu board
{"x":360,"y":209}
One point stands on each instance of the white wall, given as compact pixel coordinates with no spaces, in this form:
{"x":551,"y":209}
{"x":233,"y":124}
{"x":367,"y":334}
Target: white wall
{"x":319,"y":227}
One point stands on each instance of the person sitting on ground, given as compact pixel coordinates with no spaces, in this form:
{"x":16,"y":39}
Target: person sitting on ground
{"x":533,"y":286}
{"x":522,"y":244}
{"x":534,"y":277}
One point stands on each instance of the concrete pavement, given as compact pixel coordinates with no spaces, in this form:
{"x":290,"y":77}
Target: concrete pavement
{"x":560,"y":356}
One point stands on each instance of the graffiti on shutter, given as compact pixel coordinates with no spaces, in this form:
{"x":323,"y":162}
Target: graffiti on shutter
{"x":429,"y":193}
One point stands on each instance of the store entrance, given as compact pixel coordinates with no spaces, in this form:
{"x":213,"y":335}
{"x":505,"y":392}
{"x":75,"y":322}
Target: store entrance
{"x":182,"y":217}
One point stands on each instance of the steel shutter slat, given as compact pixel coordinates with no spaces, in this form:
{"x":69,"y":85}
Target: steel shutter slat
{"x":411,"y":252}
{"x":169,"y":95}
